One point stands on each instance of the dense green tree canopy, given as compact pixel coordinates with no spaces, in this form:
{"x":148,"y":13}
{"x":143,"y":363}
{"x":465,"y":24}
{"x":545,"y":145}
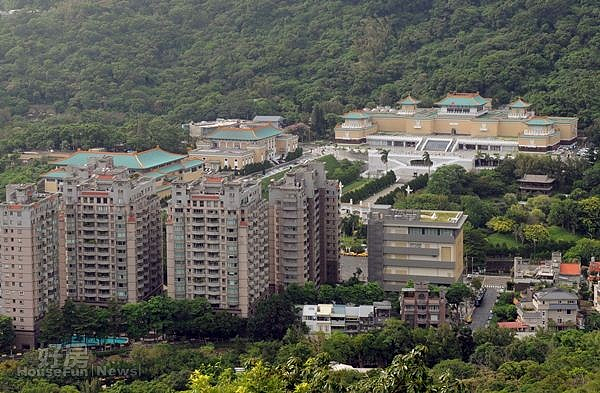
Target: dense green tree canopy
{"x":188,"y":60}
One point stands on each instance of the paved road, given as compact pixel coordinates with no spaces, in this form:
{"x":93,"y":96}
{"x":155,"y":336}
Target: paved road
{"x":310,"y":154}
{"x":385,"y":191}
{"x":481,"y":313}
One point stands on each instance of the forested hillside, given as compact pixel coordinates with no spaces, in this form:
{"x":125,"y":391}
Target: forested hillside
{"x":120,"y":63}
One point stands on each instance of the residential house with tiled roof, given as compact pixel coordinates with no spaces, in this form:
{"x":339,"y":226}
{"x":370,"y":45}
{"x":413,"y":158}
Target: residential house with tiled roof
{"x":570,"y":273}
{"x":549,"y":308}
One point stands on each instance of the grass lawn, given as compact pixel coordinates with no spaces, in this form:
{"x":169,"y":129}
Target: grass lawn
{"x":497,"y":239}
{"x":264,"y":183}
{"x":330,"y":162}
{"x":558,"y":233}
{"x":355,"y":185}
{"x":348,"y":242}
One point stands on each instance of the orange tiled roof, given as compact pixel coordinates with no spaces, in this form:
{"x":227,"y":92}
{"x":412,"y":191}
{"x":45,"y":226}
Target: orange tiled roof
{"x":512,"y":325}
{"x":594,"y":267}
{"x":570,"y":269}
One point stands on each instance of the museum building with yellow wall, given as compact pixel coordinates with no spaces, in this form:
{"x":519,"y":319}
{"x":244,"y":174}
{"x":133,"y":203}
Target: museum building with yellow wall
{"x":459,"y":115}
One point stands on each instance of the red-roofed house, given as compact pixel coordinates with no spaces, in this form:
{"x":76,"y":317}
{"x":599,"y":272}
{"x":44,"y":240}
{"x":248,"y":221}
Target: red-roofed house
{"x":594,"y":271}
{"x":569,"y":273}
{"x":517,"y":326}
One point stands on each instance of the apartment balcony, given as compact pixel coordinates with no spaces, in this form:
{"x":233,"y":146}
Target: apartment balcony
{"x":338,"y":322}
{"x":290,"y":220}
{"x":291,"y":213}
{"x":292,"y":252}
{"x":290,"y":232}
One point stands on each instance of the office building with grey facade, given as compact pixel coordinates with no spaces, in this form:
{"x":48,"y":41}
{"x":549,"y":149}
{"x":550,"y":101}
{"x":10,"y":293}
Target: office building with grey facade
{"x":417,"y":245}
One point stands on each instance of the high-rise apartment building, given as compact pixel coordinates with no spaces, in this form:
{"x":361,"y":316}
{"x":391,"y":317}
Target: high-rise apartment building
{"x":217,"y":243}
{"x":110,"y":234}
{"x":304,"y":227}
{"x":29,"y":259}
{"x":417,"y":245}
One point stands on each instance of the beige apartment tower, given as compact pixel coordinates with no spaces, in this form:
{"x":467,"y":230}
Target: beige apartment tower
{"x":304,"y":227}
{"x":111,"y":234}
{"x":30,"y":261}
{"x":217,"y":243}
{"x":417,"y":245}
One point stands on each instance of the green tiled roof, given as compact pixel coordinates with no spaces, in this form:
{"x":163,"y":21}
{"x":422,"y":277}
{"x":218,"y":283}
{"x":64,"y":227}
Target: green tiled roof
{"x":55,"y":175}
{"x":355,"y":116}
{"x":540,"y":122}
{"x":409,"y":101}
{"x":462,"y":101}
{"x":245,"y":135}
{"x":155,"y":157}
{"x":135,"y":161}
{"x":519,"y":104}
{"x":154,"y":175}
{"x":181,"y":165}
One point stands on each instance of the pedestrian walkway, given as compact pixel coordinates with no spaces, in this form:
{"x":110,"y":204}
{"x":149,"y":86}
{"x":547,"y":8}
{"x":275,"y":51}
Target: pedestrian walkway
{"x":373,"y":198}
{"x":493,"y":286}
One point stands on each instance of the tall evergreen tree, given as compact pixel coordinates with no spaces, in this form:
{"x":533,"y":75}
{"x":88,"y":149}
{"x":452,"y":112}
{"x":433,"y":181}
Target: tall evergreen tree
{"x":317,"y":121}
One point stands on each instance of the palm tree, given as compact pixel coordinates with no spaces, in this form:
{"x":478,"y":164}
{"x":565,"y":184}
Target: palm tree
{"x":384,"y":158}
{"x":427,"y":161}
{"x":496,"y":159}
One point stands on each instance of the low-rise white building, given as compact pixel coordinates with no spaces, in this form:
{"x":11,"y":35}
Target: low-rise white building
{"x":549,"y":308}
{"x":328,"y":318}
{"x":406,"y":153}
